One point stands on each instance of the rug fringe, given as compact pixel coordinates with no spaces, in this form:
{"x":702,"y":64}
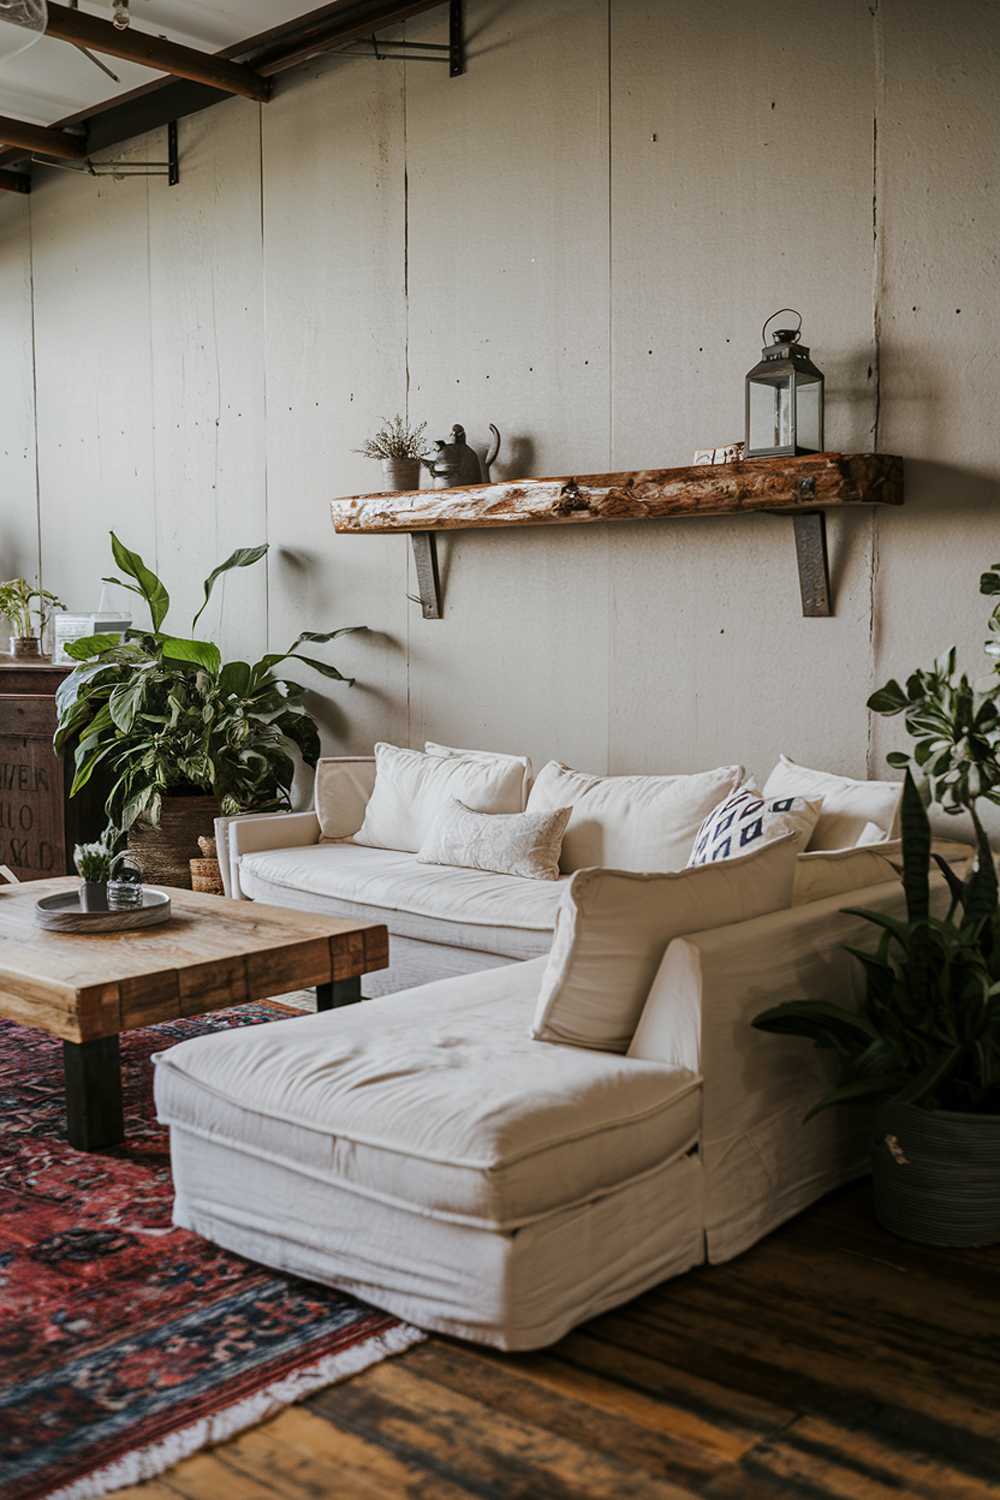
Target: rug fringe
{"x":146,"y":1463}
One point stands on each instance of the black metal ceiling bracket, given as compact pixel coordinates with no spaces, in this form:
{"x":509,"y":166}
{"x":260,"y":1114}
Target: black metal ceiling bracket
{"x":121,"y":170}
{"x":173,"y":156}
{"x":456,"y":38}
{"x":451,"y":52}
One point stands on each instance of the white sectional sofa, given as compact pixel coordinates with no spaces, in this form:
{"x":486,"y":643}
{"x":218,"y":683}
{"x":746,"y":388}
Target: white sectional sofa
{"x":442,"y":1152}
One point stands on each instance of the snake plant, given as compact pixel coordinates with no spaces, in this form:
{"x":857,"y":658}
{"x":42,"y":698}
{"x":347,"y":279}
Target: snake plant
{"x":928,"y":1030}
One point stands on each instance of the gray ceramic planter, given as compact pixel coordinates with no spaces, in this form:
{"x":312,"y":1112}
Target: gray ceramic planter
{"x":401,"y":473}
{"x":937,"y":1175}
{"x":93,"y":895}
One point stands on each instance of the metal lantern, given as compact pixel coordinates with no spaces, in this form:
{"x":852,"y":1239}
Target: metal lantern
{"x":784,"y":396}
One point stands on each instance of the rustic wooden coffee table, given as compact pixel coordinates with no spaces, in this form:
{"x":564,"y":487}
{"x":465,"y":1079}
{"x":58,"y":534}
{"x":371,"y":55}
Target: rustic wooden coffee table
{"x":213,"y":954}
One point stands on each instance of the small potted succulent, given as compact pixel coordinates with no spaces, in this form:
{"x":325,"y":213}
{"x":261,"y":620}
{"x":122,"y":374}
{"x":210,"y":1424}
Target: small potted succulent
{"x":93,"y":865}
{"x":18,"y":603}
{"x":401,"y":449}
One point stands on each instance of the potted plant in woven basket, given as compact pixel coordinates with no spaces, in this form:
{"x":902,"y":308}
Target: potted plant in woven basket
{"x":925,"y":1045}
{"x":185,"y":735}
{"x":400,"y":449}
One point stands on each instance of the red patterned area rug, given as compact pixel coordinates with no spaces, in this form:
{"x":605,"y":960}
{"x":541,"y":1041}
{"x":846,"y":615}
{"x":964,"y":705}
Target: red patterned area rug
{"x":127,"y":1344}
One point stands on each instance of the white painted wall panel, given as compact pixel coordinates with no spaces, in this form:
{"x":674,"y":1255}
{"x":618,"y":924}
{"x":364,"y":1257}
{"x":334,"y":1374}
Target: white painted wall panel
{"x":207,"y":342}
{"x":939,"y":146}
{"x":741,"y":181}
{"x":334,"y":233}
{"x":18,"y":509}
{"x":90,"y":244}
{"x":508,"y":277}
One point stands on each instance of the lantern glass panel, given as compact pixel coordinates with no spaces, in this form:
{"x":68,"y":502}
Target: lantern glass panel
{"x":771,"y":412}
{"x":808,"y":413}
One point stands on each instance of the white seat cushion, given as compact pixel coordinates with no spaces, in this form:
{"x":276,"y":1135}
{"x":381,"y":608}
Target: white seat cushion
{"x":503,"y":914}
{"x":436,"y":1101}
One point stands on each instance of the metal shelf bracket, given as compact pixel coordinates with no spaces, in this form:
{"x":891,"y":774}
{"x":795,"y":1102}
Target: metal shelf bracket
{"x":428,"y":576}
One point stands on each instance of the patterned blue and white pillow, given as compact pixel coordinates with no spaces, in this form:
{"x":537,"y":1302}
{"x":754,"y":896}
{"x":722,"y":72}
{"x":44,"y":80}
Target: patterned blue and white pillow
{"x":748,"y":820}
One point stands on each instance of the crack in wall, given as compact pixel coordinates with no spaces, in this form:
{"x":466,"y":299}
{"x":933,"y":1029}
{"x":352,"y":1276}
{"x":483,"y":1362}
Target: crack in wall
{"x":34,"y":398}
{"x":875,"y":370}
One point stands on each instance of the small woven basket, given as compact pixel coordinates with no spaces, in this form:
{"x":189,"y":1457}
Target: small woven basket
{"x":205,"y":872}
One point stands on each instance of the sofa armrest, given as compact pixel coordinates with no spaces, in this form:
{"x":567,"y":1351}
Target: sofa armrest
{"x":253,"y":832}
{"x":762,"y":1160}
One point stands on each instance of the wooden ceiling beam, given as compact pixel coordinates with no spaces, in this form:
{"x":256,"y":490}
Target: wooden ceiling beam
{"x":133,"y":45}
{"x":43,"y":140}
{"x":155,"y":104}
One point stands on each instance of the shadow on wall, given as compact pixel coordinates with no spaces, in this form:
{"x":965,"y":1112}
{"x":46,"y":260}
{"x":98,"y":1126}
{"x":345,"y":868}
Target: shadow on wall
{"x":961,"y":491}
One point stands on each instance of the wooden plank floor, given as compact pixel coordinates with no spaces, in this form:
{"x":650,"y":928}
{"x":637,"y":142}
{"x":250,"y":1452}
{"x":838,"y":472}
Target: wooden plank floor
{"x":832,"y":1360}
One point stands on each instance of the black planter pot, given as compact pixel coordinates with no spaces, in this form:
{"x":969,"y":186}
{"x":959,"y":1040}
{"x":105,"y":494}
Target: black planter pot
{"x":937,"y":1175}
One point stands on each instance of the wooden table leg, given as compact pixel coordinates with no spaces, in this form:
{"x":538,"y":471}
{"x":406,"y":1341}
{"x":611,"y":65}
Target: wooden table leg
{"x":339,"y":992}
{"x":94,"y":1093}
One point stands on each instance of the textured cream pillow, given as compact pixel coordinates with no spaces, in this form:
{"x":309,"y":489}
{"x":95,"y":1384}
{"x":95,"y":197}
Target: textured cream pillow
{"x":630,"y":822}
{"x":526,"y":844}
{"x":613,"y":927}
{"x":412,"y":790}
{"x":432,"y":748}
{"x":848,"y":805}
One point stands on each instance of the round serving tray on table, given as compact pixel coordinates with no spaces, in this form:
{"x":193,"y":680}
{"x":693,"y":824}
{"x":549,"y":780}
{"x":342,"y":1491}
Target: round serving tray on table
{"x":63,"y":913}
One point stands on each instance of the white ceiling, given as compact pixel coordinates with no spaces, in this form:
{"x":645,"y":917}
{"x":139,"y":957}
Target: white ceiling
{"x":54,"y":79}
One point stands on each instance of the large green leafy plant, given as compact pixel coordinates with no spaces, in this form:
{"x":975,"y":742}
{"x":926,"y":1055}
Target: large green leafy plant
{"x":928,"y":1030}
{"x":163,"y":713}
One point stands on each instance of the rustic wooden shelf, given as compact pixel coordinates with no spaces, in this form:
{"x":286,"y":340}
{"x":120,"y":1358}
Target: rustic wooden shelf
{"x":801,"y":487}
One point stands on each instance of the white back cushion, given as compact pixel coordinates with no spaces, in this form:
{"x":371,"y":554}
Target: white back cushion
{"x":848,"y":805}
{"x":432,"y":748}
{"x":820,"y":873}
{"x":630,"y":822}
{"x":412,"y":790}
{"x":613,"y":927}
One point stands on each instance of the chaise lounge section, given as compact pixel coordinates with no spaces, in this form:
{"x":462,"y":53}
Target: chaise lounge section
{"x":425,"y":1153}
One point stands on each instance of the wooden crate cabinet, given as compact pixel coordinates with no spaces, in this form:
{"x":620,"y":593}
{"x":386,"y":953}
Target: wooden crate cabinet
{"x":39,"y":824}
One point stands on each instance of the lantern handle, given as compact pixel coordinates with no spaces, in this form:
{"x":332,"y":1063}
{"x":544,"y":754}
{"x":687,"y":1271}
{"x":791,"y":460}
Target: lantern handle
{"x":763,"y":331}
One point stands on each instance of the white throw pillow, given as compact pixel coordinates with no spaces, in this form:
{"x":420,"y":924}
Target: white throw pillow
{"x":613,"y":927}
{"x":412,"y":790}
{"x":848,"y":805}
{"x":630,"y":822}
{"x":747,"y":820}
{"x":432,"y":748}
{"x":525,"y":844}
